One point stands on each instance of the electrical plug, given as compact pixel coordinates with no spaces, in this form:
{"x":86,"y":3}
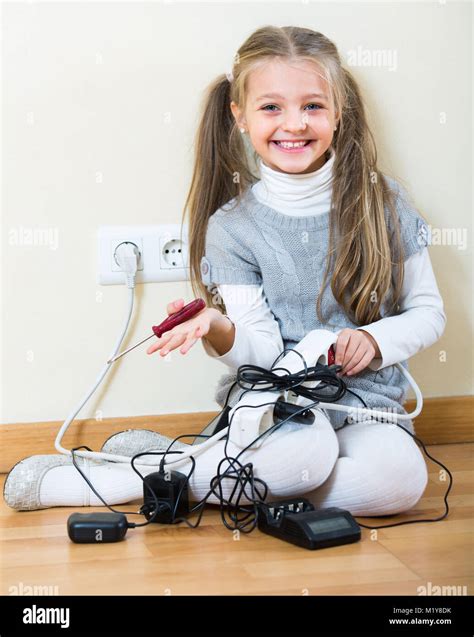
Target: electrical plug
{"x":127,"y":255}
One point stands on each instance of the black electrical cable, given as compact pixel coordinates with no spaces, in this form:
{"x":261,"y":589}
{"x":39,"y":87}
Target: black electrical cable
{"x":143,"y":509}
{"x":244,"y":475}
{"x":257,"y":376}
{"x":446,"y":511}
{"x":325,"y":375}
{"x":215,"y":479}
{"x":163,"y":506}
{"x":225,"y":505}
{"x":129,"y":524}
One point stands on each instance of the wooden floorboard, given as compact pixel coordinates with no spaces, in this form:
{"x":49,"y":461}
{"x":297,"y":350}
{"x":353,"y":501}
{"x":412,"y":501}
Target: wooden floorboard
{"x":163,"y":560}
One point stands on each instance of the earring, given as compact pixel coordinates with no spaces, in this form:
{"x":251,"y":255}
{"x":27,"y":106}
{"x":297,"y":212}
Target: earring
{"x":335,"y":127}
{"x":242,"y":130}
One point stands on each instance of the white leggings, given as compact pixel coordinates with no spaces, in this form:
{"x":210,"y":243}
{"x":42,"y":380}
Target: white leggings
{"x":369,"y":468}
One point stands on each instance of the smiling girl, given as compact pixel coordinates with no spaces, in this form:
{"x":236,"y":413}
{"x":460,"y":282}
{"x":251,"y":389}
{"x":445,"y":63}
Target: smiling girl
{"x":319,"y":239}
{"x":293,"y":228}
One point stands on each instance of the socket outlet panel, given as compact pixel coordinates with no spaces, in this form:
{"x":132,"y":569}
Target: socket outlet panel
{"x":163,"y":253}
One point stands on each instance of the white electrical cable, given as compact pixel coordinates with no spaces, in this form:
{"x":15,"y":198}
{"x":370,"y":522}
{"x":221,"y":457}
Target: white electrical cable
{"x":128,"y":259}
{"x":384,"y":414}
{"x":129,"y":262}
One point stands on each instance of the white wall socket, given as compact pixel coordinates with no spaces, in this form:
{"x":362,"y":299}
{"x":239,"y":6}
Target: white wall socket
{"x":163,"y":253}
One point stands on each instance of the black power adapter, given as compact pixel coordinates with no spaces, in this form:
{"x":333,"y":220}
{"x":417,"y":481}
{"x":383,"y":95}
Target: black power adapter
{"x":97,"y":528}
{"x":171,"y":491}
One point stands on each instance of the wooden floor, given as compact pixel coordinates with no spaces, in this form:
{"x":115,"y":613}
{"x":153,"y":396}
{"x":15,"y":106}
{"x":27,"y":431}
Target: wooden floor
{"x":163,"y":560}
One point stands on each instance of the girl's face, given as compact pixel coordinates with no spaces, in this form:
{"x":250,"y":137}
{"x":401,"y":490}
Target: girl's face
{"x":288,"y":102}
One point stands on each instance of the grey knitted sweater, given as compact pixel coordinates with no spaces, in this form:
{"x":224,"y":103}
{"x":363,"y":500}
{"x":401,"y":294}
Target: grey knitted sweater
{"x":250,"y":243}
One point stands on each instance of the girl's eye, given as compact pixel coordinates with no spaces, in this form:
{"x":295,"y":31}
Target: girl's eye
{"x":270,"y":105}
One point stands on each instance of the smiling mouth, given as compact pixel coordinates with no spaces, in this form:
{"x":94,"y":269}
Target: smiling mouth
{"x":293,"y":147}
{"x":288,"y":144}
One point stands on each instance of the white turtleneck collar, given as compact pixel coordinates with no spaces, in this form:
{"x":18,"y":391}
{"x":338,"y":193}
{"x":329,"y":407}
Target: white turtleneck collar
{"x":296,"y":194}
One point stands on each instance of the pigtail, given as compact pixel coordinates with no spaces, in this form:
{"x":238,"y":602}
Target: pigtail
{"x":220,"y":173}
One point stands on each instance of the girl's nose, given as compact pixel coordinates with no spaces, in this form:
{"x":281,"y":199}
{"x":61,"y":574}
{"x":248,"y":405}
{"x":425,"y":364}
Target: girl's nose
{"x":295,"y":123}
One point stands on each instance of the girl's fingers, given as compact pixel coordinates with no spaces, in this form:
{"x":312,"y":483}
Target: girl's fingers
{"x":185,"y":349}
{"x":153,"y":348}
{"x":189,"y":342}
{"x":170,"y":341}
{"x":175,"y":306}
{"x":341,"y":344}
{"x":174,"y":342}
{"x":355,"y":358}
{"x":159,"y":343}
{"x":361,"y":365}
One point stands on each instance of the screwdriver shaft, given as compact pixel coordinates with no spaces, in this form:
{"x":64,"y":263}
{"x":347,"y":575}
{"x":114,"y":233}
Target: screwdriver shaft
{"x":129,"y":349}
{"x":177,"y":318}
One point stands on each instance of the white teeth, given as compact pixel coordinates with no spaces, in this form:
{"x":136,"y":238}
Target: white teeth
{"x":291,"y":144}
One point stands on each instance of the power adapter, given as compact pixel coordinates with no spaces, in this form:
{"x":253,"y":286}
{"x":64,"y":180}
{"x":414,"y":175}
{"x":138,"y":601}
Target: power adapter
{"x":97,"y":528}
{"x":171,"y":491}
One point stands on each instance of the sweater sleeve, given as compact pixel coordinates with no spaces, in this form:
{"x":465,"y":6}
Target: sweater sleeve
{"x":257,"y":334}
{"x":228,"y":258}
{"x":421,"y":322}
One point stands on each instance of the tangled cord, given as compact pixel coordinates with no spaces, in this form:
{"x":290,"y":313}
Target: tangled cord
{"x":234,"y":514}
{"x":325,"y":375}
{"x":244,"y":518}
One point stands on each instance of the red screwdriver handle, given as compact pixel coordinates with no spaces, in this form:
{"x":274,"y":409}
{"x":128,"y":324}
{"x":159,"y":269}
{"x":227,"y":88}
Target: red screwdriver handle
{"x":331,"y":356}
{"x":184,"y":314}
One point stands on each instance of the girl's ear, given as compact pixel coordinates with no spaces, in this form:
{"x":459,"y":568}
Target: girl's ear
{"x":238,"y":115}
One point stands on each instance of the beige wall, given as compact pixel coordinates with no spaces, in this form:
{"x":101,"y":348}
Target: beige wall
{"x":99,"y":111}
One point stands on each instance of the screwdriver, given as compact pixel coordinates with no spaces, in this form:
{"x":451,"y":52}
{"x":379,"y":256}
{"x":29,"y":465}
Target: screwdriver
{"x":184,"y":314}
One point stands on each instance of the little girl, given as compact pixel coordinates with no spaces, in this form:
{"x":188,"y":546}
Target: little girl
{"x":321,"y":240}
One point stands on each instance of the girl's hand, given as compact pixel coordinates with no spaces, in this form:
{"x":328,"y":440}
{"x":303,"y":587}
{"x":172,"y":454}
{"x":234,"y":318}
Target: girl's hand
{"x":185,"y":334}
{"x":355,"y":349}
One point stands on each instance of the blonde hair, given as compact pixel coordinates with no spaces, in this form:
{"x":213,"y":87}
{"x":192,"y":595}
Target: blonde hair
{"x":367,"y":260}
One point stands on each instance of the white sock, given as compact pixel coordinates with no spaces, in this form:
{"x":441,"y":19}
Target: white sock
{"x":380,"y":471}
{"x":292,"y":460}
{"x":117,"y":483}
